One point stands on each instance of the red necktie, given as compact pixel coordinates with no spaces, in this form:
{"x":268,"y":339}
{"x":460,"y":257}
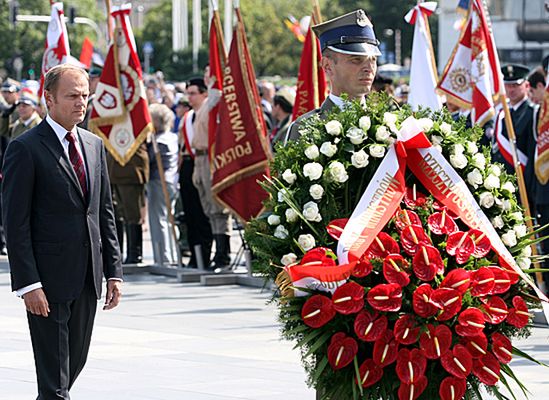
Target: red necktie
{"x":77,"y":163}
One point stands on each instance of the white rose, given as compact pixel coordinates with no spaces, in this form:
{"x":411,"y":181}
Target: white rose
{"x":517,"y":216}
{"x":282,"y":195}
{"x":359,"y":159}
{"x":509,"y":238}
{"x":311,"y":152}
{"x":288,"y":259}
{"x":310,"y":212}
{"x":334,"y":127}
{"x":509,"y":187}
{"x":306,"y":242}
{"x":459,"y":161}
{"x":486,"y":199}
{"x":273,"y":219}
{"x":426,"y":124}
{"x":474,"y":178}
{"x":457,"y":149}
{"x":291,"y":215}
{"x":355,"y":135}
{"x":524,"y":262}
{"x":377,"y":151}
{"x":289,"y":176}
{"x":382,"y":133}
{"x":497,"y":221}
{"x":337,"y":172}
{"x":436,"y":140}
{"x":316,"y":191}
{"x":328,"y":149}
{"x":390,"y":120}
{"x":506,"y":205}
{"x":446,"y":128}
{"x":521,"y":230}
{"x":312,"y":170}
{"x":491,"y":182}
{"x":472,"y":148}
{"x":526,"y":251}
{"x":479,"y":161}
{"x":281,"y":232}
{"x":494,"y":169}
{"x":365,"y":123}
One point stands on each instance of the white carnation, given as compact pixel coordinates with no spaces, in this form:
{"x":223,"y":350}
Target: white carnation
{"x":377,"y":151}
{"x":486,"y":199}
{"x":382,"y":133}
{"x":497,"y":221}
{"x":316,"y":191}
{"x":491,"y":182}
{"x":509,"y":238}
{"x":426,"y":124}
{"x":289,"y":176}
{"x":472,"y":148}
{"x":359,"y":159}
{"x":273,"y":219}
{"x":355,"y":135}
{"x":310,"y":212}
{"x":288,"y":259}
{"x":459,"y":161}
{"x":281,"y":232}
{"x":312,"y":170}
{"x":328,"y":149}
{"x":334,"y":127}
{"x":311,"y":152}
{"x":475,"y":178}
{"x":446,"y":128}
{"x":521,"y":230}
{"x":291,"y":215}
{"x":365,"y":123}
{"x":479,"y":161}
{"x":337,"y":172}
{"x":306,"y":242}
{"x":509,"y":187}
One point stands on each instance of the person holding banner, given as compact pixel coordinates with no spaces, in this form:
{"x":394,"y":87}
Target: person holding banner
{"x":349,"y":59}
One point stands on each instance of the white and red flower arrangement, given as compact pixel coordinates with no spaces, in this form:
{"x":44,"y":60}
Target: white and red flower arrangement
{"x":424,"y":302}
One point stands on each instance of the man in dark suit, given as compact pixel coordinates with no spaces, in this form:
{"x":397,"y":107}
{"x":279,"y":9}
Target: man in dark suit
{"x":60,"y":231}
{"x":349,"y":59}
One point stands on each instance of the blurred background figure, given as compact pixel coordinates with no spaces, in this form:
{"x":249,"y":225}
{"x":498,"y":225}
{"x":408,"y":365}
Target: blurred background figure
{"x":28,"y":117}
{"x":536,"y":91}
{"x":283,"y":106}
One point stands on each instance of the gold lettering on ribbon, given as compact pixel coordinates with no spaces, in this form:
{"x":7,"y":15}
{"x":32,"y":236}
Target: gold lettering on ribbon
{"x":232,"y":154}
{"x":230,"y":95}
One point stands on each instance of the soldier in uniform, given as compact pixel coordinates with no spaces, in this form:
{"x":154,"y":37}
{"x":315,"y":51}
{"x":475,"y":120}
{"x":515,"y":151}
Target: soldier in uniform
{"x":8,"y":114}
{"x":283,"y":106}
{"x":349,"y":59}
{"x":28,"y":117}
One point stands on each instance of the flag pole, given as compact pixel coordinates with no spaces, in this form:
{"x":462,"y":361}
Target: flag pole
{"x":109,"y":21}
{"x":317,"y":16}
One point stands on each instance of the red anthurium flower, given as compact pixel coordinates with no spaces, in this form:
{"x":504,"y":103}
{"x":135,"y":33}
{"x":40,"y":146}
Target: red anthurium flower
{"x":510,"y":271}
{"x":495,"y":310}
{"x":385,"y":297}
{"x":482,"y":281}
{"x":486,"y":369}
{"x":441,"y":223}
{"x":362,"y":268}
{"x":369,"y":326}
{"x":348,"y":298}
{"x":452,"y":388}
{"x":412,"y":238}
{"x":482,"y":243}
{"x":404,"y":218}
{"x":410,"y":365}
{"x":317,"y":311}
{"x":458,"y":279}
{"x":411,"y":391}
{"x":461,"y":245}
{"x":385,"y":349}
{"x":502,"y":347}
{"x":370,"y":373}
{"x":477,"y":345}
{"x":394,"y":267}
{"x":336,"y":226}
{"x":449,"y":301}
{"x":382,"y":246}
{"x":457,"y":361}
{"x":321,"y":256}
{"x":423,"y":303}
{"x":341,"y":351}
{"x":406,"y":329}
{"x":414,"y":198}
{"x":519,"y":315}
{"x":435,"y":341}
{"x":471,"y":322}
{"x":427,"y":263}
{"x":502,"y":281}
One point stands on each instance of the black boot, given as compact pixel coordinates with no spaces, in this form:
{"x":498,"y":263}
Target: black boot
{"x":222,"y":258}
{"x":135,"y":244}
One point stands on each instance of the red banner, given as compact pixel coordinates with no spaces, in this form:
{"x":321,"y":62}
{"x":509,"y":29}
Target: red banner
{"x":241,"y":148}
{"x":218,"y":59}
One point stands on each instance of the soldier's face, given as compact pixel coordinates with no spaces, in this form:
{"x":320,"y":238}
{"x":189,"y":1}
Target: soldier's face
{"x":350,"y":74}
{"x":516,"y":91}
{"x":25,"y":111}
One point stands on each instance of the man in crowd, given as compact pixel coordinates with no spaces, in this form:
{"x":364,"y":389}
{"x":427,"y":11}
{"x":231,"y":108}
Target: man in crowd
{"x":28,"y":117}
{"x":283,"y":106}
{"x":349,"y":59}
{"x":60,"y":229}
{"x":536,"y":81}
{"x":8,"y":115}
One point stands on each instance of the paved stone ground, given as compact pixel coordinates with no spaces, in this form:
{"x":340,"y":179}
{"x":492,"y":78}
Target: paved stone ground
{"x":171,"y":341}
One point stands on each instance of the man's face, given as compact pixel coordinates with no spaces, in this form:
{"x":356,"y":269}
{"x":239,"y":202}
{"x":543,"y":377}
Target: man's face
{"x":10,"y":97}
{"x":516,"y":91}
{"x":25,"y":111}
{"x":350,"y":74}
{"x":536,"y":93}
{"x":67,"y":103}
{"x":195,"y":97}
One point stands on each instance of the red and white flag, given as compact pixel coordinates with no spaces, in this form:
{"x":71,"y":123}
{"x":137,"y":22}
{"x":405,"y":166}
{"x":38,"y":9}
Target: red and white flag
{"x":423,"y":70}
{"x":57,"y":43}
{"x":542,"y":147}
{"x":472,"y":77}
{"x":120,"y":115}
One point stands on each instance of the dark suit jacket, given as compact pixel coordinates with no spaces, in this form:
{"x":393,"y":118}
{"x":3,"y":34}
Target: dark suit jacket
{"x":52,"y":231}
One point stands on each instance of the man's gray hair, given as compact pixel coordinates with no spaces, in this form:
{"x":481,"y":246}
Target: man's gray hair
{"x":51,"y":81}
{"x":162,"y":117}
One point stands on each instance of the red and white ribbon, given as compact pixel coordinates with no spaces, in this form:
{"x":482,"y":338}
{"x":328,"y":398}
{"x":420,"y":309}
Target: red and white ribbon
{"x":504,"y":145}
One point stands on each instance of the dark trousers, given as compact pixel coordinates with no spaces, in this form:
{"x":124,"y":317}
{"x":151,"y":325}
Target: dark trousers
{"x":61,"y":342}
{"x":199,"y":230}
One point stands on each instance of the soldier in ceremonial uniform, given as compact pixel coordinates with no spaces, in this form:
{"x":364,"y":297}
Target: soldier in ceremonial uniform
{"x":349,"y":59}
{"x":8,"y":113}
{"x":28,"y":117}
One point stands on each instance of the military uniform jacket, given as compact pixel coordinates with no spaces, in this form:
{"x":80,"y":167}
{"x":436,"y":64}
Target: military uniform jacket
{"x":281,"y":131}
{"x":323,"y":111}
{"x":135,"y":172}
{"x":19,"y":127}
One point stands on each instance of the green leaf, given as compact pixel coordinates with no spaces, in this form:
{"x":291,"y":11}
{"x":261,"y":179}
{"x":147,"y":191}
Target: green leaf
{"x":321,"y":341}
{"x":358,"y":379}
{"x":522,"y":354}
{"x":308,"y":337}
{"x":320,"y":368}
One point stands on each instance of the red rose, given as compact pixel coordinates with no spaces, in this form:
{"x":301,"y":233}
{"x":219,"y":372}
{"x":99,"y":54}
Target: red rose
{"x":385,"y":297}
{"x":476,"y":345}
{"x":449,"y":300}
{"x":385,"y":349}
{"x":336,"y":226}
{"x":482,"y":282}
{"x":394,"y":270}
{"x":486,"y":369}
{"x":461,"y":245}
{"x":406,"y":329}
{"x":348,"y":298}
{"x":410,"y":365}
{"x":317,"y":311}
{"x":370,"y":373}
{"x":435,"y":341}
{"x":518,"y":316}
{"x":482,"y":243}
{"x":458,"y":279}
{"x":441,"y":223}
{"x":412,"y":238}
{"x":495,"y":310}
{"x":502,"y":347}
{"x":422,"y":302}
{"x":341,"y":351}
{"x":404,"y":218}
{"x":369,"y":326}
{"x":427,"y":263}
{"x":452,"y":388}
{"x":457,"y":361}
{"x":408,"y":391}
